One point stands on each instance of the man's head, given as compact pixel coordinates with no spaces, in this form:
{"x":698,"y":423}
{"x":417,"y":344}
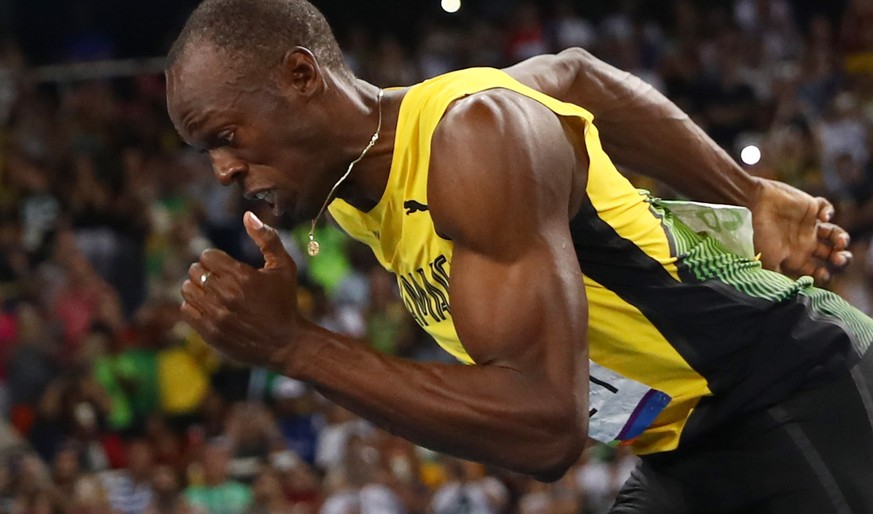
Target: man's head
{"x":258,"y":32}
{"x":257,"y":84}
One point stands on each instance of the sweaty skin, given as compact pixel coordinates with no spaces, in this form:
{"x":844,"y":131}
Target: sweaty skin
{"x":529,"y":389}
{"x":644,"y":131}
{"x":517,"y":296}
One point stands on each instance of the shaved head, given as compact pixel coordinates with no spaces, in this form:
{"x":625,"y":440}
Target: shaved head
{"x":257,"y":33}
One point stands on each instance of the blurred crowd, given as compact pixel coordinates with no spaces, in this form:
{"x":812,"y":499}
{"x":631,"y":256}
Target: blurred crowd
{"x":110,"y":403}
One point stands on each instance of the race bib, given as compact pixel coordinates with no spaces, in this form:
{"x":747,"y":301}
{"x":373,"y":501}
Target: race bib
{"x":620,"y":409}
{"x":730,"y":225}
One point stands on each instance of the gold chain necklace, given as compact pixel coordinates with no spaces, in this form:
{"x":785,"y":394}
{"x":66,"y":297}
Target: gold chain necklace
{"x":313,"y":247}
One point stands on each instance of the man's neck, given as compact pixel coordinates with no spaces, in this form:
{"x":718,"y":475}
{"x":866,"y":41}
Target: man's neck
{"x":369,"y":178}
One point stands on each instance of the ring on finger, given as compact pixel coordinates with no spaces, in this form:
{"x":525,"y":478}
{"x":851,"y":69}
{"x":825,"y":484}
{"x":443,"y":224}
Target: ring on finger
{"x":204,"y":277}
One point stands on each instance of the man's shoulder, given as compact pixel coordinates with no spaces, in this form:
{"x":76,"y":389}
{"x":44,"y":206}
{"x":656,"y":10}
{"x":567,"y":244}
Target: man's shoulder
{"x":438,"y":92}
{"x":507,"y":144}
{"x":465,"y":75}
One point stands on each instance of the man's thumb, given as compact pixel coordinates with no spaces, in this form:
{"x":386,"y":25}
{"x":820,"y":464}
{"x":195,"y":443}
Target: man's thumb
{"x":267,"y":240}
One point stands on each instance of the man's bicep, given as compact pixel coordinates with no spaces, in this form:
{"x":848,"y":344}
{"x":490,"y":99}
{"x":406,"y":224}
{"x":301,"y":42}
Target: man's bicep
{"x":528,"y":313}
{"x":502,"y":170}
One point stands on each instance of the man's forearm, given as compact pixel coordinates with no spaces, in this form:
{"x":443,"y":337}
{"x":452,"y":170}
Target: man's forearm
{"x":640,"y":128}
{"x":644,"y":131}
{"x":486,"y":413}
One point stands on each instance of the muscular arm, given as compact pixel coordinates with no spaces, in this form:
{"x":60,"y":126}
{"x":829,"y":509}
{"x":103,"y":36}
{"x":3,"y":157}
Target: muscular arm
{"x":516,"y":296}
{"x":644,"y":131}
{"x":639,"y":127}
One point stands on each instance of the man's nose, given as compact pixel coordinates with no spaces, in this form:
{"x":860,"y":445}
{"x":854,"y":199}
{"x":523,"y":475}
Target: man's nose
{"x":227,"y":168}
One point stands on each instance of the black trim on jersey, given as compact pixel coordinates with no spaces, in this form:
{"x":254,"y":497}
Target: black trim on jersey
{"x":681,"y":267}
{"x":752,"y":352}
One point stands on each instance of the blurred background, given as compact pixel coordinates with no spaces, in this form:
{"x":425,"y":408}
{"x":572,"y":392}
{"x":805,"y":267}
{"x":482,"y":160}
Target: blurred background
{"x":109,"y":403}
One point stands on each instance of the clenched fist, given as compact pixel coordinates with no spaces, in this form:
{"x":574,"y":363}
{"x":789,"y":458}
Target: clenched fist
{"x":247,"y":313}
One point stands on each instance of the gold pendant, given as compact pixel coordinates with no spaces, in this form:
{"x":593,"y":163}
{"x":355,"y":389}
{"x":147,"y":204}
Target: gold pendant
{"x":313,"y":248}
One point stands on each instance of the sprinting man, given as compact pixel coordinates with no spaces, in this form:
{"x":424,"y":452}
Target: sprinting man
{"x":581,"y":306}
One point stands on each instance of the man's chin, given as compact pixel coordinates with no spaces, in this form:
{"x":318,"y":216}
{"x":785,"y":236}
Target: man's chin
{"x":299,"y":215}
{"x":289,"y":220}
{"x":280,"y":218}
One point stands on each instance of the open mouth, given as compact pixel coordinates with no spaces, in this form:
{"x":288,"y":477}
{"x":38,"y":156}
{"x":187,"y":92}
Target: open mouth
{"x":267,"y":195}
{"x":270,"y":196}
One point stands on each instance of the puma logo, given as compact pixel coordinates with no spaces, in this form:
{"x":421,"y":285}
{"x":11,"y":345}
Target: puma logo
{"x":412,"y":206}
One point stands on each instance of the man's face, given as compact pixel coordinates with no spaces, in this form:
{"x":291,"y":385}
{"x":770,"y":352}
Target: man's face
{"x":259,"y":133}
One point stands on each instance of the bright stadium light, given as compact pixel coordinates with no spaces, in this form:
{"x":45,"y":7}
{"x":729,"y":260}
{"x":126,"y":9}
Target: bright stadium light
{"x":450,"y":6}
{"x":751,"y":155}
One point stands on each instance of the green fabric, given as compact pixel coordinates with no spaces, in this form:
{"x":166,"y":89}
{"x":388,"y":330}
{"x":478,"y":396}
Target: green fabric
{"x":707,"y":259}
{"x":143,"y":366}
{"x":130,"y":380}
{"x":830,"y":306}
{"x":332,"y":265}
{"x":110,"y":373}
{"x":228,"y":498}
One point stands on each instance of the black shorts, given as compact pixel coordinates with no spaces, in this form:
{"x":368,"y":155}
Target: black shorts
{"x":812,"y":453}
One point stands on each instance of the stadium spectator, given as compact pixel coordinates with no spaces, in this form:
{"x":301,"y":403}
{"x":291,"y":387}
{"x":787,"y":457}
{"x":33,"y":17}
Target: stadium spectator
{"x":215,"y":491}
{"x":102,"y":210}
{"x":130,"y":490}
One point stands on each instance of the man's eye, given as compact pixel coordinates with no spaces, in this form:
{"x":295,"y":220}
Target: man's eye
{"x":226,"y":137}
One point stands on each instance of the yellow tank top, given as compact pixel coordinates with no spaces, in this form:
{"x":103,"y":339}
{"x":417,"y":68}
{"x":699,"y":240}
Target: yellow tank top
{"x":647,"y":279}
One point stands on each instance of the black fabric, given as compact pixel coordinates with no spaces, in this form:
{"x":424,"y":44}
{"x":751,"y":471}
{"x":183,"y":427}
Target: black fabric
{"x":812,"y":453}
{"x":753,"y":352}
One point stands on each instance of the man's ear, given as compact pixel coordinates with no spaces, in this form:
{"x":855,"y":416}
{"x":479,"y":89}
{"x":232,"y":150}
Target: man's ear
{"x":302,"y":72}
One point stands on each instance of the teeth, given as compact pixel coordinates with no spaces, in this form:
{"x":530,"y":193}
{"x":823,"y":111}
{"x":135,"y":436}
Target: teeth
{"x":266,"y":196}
